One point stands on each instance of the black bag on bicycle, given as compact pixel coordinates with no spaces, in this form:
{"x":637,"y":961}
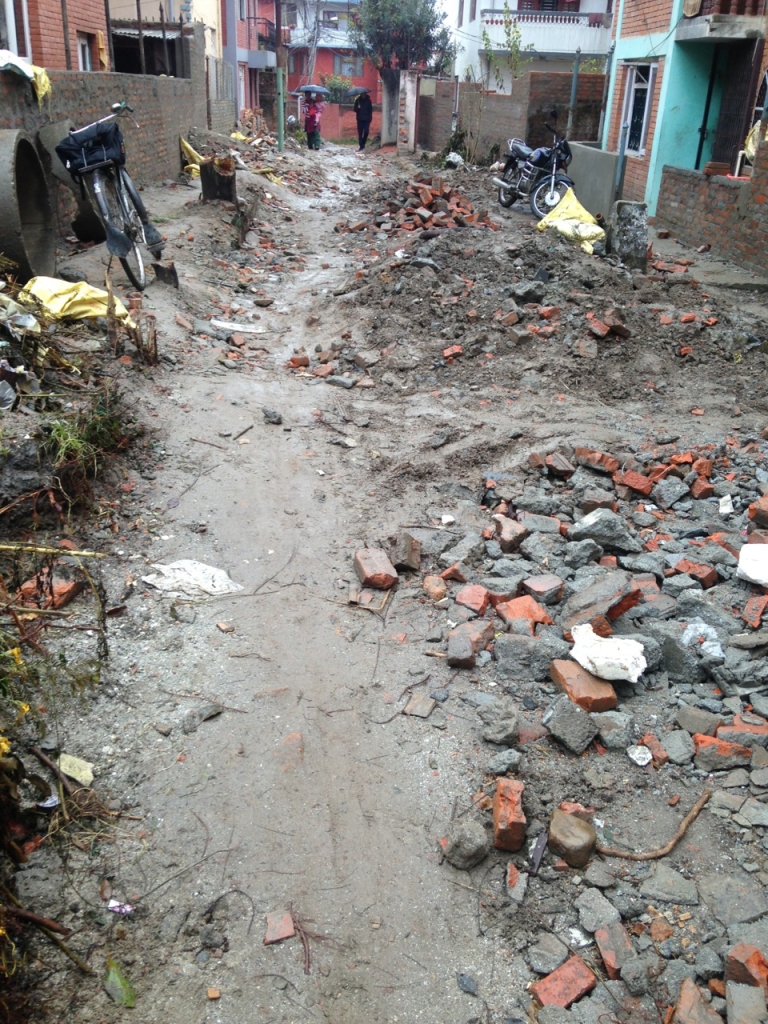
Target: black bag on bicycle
{"x":90,"y":147}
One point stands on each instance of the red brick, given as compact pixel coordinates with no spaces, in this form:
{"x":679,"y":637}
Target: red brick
{"x":688,"y":318}
{"x":615,"y":947}
{"x":746,"y":965}
{"x":475,"y":597}
{"x":758,"y":511}
{"x":721,"y":748}
{"x":596,"y":460}
{"x":523,"y":608}
{"x":638,"y":482}
{"x":374,"y":568}
{"x":691,"y":1008}
{"x":453,"y":572}
{"x":279,"y":927}
{"x":758,"y":537}
{"x":660,"y":756}
{"x":452,"y":351}
{"x":701,"y":488}
{"x":754,"y":610}
{"x":723,"y":540}
{"x":705,"y":574}
{"x":548,"y":312}
{"x":584,"y":689}
{"x":547,"y":588}
{"x":703,"y":467}
{"x":577,"y":810}
{"x":296,"y":362}
{"x":498,"y":597}
{"x":609,"y":561}
{"x":739,"y":727}
{"x":569,"y":982}
{"x":509,"y":533}
{"x":510,"y":319}
{"x":324,"y":371}
{"x":599,"y":329}
{"x":508,"y":817}
{"x":479,"y":632}
{"x":559,"y":465}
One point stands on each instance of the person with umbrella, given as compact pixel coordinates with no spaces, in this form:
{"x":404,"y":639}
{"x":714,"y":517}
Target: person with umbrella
{"x":364,"y":113}
{"x":312,"y":109}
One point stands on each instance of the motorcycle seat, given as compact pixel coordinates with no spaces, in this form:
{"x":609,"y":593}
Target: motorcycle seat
{"x":519,"y":148}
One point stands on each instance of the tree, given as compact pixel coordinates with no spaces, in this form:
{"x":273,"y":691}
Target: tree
{"x":513,"y":61}
{"x":404,"y":34}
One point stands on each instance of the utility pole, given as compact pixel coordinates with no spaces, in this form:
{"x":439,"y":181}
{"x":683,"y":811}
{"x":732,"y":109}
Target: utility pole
{"x":142,"y":60}
{"x":574,"y":87}
{"x":111,"y":46}
{"x":165,"y":41}
{"x":65,"y":27}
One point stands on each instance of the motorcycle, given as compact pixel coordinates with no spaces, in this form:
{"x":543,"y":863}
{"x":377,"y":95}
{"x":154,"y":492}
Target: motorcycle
{"x":536,"y":174}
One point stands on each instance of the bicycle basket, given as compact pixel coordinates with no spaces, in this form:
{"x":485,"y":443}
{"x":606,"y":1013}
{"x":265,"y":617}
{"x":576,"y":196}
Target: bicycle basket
{"x":88,"y":147}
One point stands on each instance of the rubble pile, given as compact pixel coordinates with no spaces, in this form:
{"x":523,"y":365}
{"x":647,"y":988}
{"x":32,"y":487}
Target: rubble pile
{"x":427,"y":205}
{"x":614,"y":613}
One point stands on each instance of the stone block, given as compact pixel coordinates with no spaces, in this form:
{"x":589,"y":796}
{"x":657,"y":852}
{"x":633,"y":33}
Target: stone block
{"x":374,"y":568}
{"x":715,"y":755}
{"x":571,"y":838}
{"x":569,"y":724}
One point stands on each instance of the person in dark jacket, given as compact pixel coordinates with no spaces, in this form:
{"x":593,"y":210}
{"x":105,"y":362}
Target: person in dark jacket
{"x":364,"y":114}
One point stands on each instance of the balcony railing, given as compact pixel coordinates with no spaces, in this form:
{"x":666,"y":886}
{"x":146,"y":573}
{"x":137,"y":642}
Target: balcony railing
{"x":595,"y":20}
{"x":749,"y":7}
{"x":261,"y":34}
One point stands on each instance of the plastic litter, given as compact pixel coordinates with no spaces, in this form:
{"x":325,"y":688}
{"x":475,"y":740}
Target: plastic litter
{"x":77,"y":769}
{"x":640,"y":755}
{"x":570,"y":219}
{"x":725,"y":506}
{"x":41,"y":83}
{"x":66,"y":300}
{"x":192,"y":579}
{"x":192,"y":157}
{"x":753,"y":564}
{"x":613,"y":657}
{"x":119,"y":908}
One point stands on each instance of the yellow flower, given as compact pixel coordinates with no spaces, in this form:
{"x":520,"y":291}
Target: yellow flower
{"x":5,"y":745}
{"x":23,"y":708}
{"x":16,"y":652}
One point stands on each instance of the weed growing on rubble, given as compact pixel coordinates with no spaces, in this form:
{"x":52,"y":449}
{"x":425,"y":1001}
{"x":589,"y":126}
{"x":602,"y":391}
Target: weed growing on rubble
{"x":75,"y":442}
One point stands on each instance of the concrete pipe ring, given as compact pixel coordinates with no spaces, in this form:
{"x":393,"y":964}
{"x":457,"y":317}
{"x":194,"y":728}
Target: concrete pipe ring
{"x":27,"y":234}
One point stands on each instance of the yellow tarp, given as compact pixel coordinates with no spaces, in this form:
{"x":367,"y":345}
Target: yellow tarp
{"x":66,"y":300}
{"x":193,"y":158}
{"x":574,"y":222}
{"x":750,"y":146}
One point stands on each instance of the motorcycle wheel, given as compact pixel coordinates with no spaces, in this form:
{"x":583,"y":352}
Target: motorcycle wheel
{"x":507,"y":198}
{"x":543,"y":201}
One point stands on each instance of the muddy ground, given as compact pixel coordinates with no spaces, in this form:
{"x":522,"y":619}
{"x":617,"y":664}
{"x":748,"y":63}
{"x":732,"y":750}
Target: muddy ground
{"x":309,"y":791}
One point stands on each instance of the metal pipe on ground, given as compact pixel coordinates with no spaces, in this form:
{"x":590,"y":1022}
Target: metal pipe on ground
{"x":26,"y":213}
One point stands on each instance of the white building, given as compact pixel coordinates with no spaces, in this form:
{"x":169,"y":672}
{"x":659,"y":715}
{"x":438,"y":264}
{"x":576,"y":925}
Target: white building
{"x":550,"y":33}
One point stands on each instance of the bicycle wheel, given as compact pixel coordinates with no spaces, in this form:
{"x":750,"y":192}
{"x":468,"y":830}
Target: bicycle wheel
{"x":133,"y":263}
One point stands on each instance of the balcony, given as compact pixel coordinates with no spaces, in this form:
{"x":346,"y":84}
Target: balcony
{"x":552,"y":33}
{"x":724,"y":21}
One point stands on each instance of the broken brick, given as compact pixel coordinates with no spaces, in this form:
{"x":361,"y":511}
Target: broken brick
{"x":599,"y":329}
{"x":705,"y":574}
{"x":636,"y":481}
{"x":576,"y":809}
{"x":688,"y":318}
{"x":758,"y":511}
{"x":523,"y":608}
{"x":569,"y":982}
{"x":701,"y":488}
{"x":703,"y":467}
{"x":615,"y":948}
{"x":452,"y":351}
{"x":295,"y":362}
{"x":754,"y":610}
{"x":691,"y":1008}
{"x":374,"y":568}
{"x":508,"y":817}
{"x":659,"y":754}
{"x":596,"y":460}
{"x":559,"y":465}
{"x":510,"y":319}
{"x":453,"y":572}
{"x":279,"y":927}
{"x":584,"y":689}
{"x":746,"y":965}
{"x":547,"y":588}
{"x":548,"y":312}
{"x":324,"y":371}
{"x":474,"y":597}
{"x":479,"y":632}
{"x":744,"y":730}
{"x":713,"y":754}
{"x":510,"y":534}
{"x":183,"y":322}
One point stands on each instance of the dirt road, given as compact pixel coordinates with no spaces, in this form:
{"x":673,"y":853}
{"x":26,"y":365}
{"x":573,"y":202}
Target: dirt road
{"x":309,"y":792}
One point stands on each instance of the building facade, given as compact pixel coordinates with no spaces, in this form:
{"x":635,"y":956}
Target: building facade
{"x":33,"y":30}
{"x":319,"y":46}
{"x":550,"y":33}
{"x":688,"y":81}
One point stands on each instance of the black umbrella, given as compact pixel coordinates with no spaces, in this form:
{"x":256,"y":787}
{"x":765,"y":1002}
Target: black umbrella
{"x":357,"y":90}
{"x":319,"y":89}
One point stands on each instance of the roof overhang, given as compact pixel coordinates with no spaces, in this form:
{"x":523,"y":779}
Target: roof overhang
{"x":721,"y":28}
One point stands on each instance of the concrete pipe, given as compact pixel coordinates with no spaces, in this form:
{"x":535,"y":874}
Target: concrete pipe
{"x":27,"y":232}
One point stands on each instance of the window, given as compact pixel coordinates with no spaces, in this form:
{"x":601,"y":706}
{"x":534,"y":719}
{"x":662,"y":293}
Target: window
{"x":460,"y":20}
{"x":241,"y":10}
{"x":472,"y":9}
{"x":295,"y":63}
{"x":638,"y":101}
{"x":291,"y":15}
{"x":84,"y":51}
{"x":14,"y":28}
{"x":335,"y":20}
{"x":348,"y":66}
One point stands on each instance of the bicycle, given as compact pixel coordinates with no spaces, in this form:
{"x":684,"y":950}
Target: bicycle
{"x":95,"y":157}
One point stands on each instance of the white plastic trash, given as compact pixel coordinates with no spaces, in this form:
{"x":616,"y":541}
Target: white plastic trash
{"x":192,"y":579}
{"x":753,"y":564}
{"x":613,"y":657}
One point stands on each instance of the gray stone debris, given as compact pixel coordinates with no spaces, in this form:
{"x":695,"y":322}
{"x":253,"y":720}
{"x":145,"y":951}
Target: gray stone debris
{"x":615,"y":729}
{"x":679,"y":745}
{"x":606,"y":528}
{"x":528,"y":657}
{"x":547,"y":953}
{"x":670,"y":886}
{"x":595,"y":911}
{"x":569,"y":724}
{"x":669,"y":491}
{"x":467,"y":844}
{"x":581,"y":552}
{"x":469,"y":549}
{"x":505,"y":761}
{"x":500,"y":722}
{"x":745,"y":1004}
{"x":734,"y":898}
{"x":708,"y":963}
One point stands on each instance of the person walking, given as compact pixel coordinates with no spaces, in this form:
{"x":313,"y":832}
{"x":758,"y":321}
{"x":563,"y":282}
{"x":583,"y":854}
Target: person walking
{"x":312,"y":110}
{"x":364,"y":113}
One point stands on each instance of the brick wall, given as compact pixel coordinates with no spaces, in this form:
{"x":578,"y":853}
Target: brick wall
{"x":47,"y":37}
{"x":644,"y":16}
{"x":496,"y":118}
{"x":435,"y":116}
{"x":731,"y":216}
{"x":636,"y":172}
{"x":339,"y":122}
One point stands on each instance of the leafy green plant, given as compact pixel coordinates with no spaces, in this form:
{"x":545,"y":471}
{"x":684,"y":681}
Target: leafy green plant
{"x":338,"y":86}
{"x":514,"y":61}
{"x":404,"y":34}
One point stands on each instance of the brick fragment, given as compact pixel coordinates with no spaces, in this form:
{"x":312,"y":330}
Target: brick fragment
{"x":758,"y":511}
{"x":453,"y":572}
{"x":523,"y":608}
{"x":713,"y":754}
{"x":691,"y":1008}
{"x":549,"y":312}
{"x":752,"y":729}
{"x":660,"y":756}
{"x":596,"y":460}
{"x":705,"y":574}
{"x":474,"y":597}
{"x":703,"y":467}
{"x":754,"y":610}
{"x":510,"y":319}
{"x":508,"y":817}
{"x":183,"y":322}
{"x":510,"y":534}
{"x":758,"y":537}
{"x":615,"y":948}
{"x":479,"y":633}
{"x":746,"y":965}
{"x":701,"y":488}
{"x":324,"y":371}
{"x":584,"y":689}
{"x":636,"y":481}
{"x":599,"y":329}
{"x":547,"y":588}
{"x":559,"y":465}
{"x":279,"y":927}
{"x":566,"y":985}
{"x":374,"y":568}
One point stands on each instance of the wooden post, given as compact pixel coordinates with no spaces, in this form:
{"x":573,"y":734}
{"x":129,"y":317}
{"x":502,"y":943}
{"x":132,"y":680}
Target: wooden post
{"x":142,"y":60}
